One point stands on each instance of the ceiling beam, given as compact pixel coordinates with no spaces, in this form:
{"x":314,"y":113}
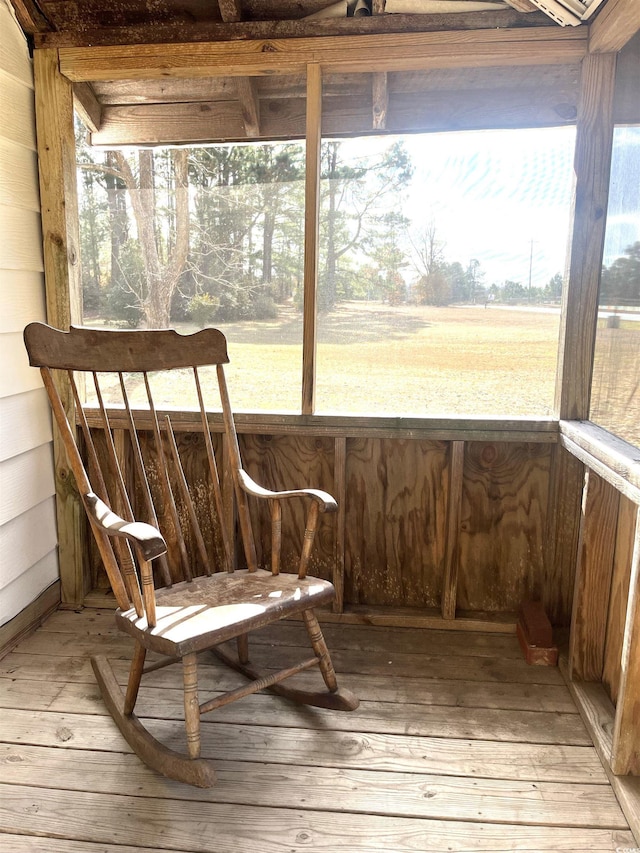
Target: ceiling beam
{"x":179,"y":32}
{"x":87,"y":106}
{"x":402,"y":52}
{"x":230,"y":10}
{"x":380,"y":99}
{"x":249,"y":105}
{"x":30,"y":17}
{"x":617,"y":22}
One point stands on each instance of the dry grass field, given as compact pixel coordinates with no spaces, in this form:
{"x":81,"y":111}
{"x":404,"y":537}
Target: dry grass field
{"x":374,"y":359}
{"x":409,"y":360}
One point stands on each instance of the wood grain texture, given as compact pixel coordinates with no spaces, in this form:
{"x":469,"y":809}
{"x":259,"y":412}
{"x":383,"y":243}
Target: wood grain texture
{"x":411,"y":771}
{"x":58,"y":195}
{"x":452,"y":556}
{"x":592,"y":165}
{"x":279,"y":462}
{"x":396,"y":522}
{"x":617,"y":22}
{"x":407,"y":51}
{"x":596,"y":548}
{"x":625,"y":752}
{"x":619,"y":596}
{"x":311,"y":234}
{"x":561,"y":535}
{"x":504,"y":509}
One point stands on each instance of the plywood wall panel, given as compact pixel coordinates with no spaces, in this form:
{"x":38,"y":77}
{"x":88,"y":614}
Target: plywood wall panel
{"x":619,"y":595}
{"x":504,"y":507}
{"x":395,"y":522}
{"x":292,"y":462}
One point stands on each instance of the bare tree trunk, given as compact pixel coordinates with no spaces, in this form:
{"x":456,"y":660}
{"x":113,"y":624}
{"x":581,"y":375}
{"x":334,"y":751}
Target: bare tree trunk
{"x":161,"y":280}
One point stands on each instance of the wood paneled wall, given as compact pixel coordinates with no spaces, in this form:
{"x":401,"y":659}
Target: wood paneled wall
{"x":410,"y":532}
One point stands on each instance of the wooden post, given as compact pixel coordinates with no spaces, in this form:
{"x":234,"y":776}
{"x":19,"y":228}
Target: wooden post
{"x":596,"y":551}
{"x":625,"y":752}
{"x":452,"y":545}
{"x":340,"y":494}
{"x":59,"y":202}
{"x":594,"y":134}
{"x":594,"y":137}
{"x":311,"y":235}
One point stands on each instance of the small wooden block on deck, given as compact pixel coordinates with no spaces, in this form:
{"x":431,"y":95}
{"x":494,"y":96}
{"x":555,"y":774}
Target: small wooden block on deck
{"x":536,"y":635}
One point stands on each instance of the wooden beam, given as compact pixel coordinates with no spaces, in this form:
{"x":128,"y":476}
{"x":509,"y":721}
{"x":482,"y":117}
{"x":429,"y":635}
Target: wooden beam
{"x":249,"y":105}
{"x":625,"y":753}
{"x":340,"y":494}
{"x":311,"y":235}
{"x":452,"y":546}
{"x":541,"y":105}
{"x":87,"y":106}
{"x":561,"y":536}
{"x":613,"y":459}
{"x":380,"y":99}
{"x":189,"y":32}
{"x":61,"y":240}
{"x":396,"y":52}
{"x":230,"y":10}
{"x":30,"y":16}
{"x":594,"y":135}
{"x":616,"y":23}
{"x":596,"y":550}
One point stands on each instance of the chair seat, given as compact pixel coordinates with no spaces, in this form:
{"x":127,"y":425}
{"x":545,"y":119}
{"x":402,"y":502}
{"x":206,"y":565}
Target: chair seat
{"x":195,"y":615}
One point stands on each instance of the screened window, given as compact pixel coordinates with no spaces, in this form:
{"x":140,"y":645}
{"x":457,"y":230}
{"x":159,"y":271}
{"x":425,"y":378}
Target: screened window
{"x":615,"y":394}
{"x":441,"y":268}
{"x":440,"y":265}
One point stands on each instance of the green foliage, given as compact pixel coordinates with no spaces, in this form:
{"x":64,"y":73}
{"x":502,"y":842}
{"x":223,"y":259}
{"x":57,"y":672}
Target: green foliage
{"x":202,"y":309}
{"x":620,"y":283}
{"x":123,"y":296}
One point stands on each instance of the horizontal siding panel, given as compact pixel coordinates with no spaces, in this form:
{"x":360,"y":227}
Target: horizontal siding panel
{"x":22,"y":299}
{"x":28,"y":587}
{"x":25,"y":423}
{"x":25,"y":540}
{"x":17,"y":111}
{"x":18,"y":176}
{"x":26,"y":481}
{"x":16,"y":376}
{"x":21,"y":244}
{"x":14,"y":53}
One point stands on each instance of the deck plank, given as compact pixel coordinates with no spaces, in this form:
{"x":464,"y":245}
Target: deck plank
{"x":292,"y":745}
{"x":458,"y":745}
{"x":166,"y":823}
{"x":427,"y":691}
{"x":325,"y":789}
{"x":380,"y":717}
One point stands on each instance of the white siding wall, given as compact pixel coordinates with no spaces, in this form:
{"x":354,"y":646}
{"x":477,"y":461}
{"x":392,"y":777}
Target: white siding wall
{"x":28,"y":556}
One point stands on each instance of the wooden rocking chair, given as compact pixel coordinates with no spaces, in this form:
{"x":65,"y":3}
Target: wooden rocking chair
{"x":191,"y":610}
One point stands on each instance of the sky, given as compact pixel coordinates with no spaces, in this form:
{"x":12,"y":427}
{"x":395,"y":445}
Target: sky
{"x":500,"y":197}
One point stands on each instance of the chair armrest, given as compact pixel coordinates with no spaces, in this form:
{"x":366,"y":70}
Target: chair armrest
{"x":145,"y":536}
{"x":324,"y":500}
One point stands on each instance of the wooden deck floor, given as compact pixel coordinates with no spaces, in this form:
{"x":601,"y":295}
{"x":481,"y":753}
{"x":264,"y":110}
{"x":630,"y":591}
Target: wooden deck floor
{"x":458,"y":745}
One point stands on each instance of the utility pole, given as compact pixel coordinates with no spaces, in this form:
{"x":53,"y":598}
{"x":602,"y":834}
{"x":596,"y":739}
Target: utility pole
{"x":530,"y":268}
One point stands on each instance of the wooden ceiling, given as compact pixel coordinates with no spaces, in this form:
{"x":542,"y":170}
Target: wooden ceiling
{"x":191,"y":71}
{"x":92,"y":22}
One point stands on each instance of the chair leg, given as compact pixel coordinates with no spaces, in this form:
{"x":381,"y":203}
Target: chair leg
{"x":135,"y":676}
{"x":191,"y":704}
{"x":243,"y":648}
{"x":321,"y":650}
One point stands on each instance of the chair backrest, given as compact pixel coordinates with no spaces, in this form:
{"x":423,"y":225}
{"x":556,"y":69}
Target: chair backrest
{"x":152,"y":488}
